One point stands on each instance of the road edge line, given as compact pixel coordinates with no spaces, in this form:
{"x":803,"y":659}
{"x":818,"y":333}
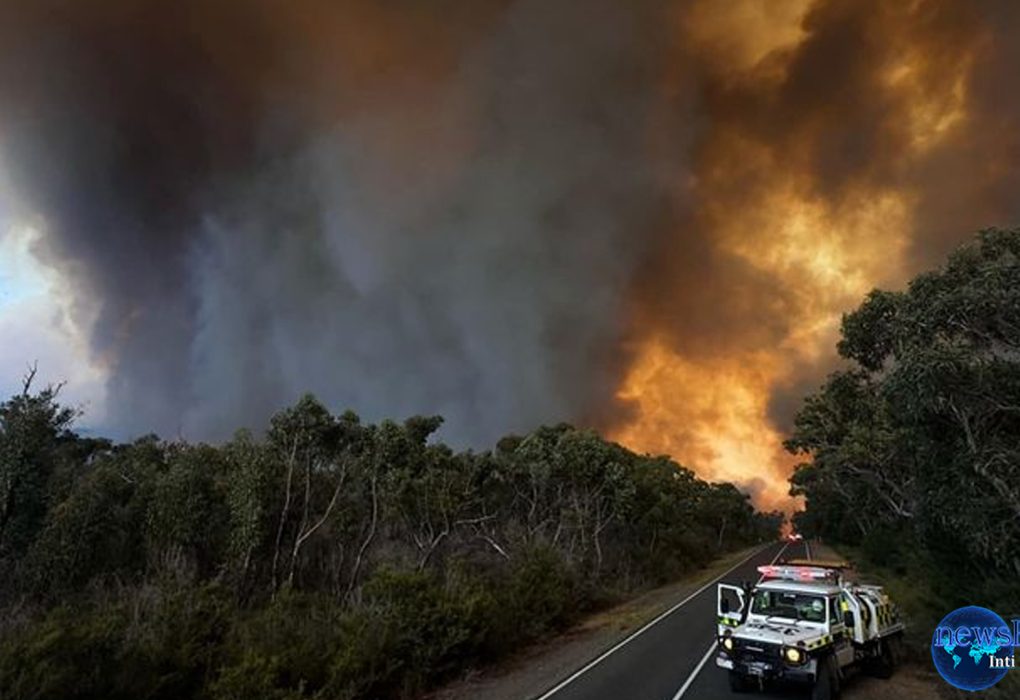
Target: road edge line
{"x":627,"y":640}
{"x":697,"y":669}
{"x":704,"y":659}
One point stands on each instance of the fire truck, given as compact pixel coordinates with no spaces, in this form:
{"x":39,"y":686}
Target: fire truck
{"x":804,"y":622}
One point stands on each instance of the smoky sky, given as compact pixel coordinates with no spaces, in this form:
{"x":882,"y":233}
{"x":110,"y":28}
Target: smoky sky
{"x":420,"y":208}
{"x":480,"y":210}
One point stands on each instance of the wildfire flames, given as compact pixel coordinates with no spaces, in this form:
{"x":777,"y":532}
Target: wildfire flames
{"x":820,"y":249}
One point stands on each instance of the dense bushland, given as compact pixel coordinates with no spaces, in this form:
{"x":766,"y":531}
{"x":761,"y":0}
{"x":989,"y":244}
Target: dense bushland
{"x":915,"y":446}
{"x":326,"y":558}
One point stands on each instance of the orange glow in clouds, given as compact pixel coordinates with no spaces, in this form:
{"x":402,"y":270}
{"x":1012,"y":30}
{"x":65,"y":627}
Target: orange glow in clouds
{"x":712,"y":414}
{"x":821,"y":251}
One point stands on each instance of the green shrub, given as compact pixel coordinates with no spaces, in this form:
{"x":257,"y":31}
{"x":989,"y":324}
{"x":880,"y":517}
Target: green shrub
{"x":283,"y":648}
{"x":172,"y":642}
{"x":69,"y":654}
{"x":541,"y":593}
{"x":151,"y":644}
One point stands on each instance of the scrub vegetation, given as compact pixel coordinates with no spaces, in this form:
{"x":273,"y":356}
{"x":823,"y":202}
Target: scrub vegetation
{"x":326,"y":558}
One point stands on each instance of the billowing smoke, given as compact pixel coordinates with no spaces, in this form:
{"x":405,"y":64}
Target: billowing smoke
{"x":422,"y":208}
{"x":642,"y":215}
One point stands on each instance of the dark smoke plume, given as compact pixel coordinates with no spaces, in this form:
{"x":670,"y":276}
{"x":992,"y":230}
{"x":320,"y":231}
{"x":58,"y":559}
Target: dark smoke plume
{"x":409,"y":207}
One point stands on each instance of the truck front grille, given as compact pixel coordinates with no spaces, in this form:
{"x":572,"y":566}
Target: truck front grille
{"x":756,"y":651}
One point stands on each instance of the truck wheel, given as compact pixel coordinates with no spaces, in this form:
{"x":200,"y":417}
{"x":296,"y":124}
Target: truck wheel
{"x":884,"y":665}
{"x":738,"y":682}
{"x":826,"y":685}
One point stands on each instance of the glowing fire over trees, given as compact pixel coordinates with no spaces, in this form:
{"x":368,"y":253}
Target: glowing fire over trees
{"x":820,"y":250}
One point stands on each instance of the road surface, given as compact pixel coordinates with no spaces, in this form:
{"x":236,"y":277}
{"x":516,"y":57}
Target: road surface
{"x":673,"y":656}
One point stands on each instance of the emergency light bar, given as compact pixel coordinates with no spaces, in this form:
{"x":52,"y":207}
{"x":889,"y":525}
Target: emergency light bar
{"x":797,"y":573}
{"x":818,"y":563}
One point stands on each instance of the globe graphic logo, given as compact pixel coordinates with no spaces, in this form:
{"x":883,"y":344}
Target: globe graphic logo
{"x":969,"y":667}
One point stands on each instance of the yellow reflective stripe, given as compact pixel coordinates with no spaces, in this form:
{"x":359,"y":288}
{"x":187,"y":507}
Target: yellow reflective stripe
{"x":887,"y":614}
{"x":820,"y":642}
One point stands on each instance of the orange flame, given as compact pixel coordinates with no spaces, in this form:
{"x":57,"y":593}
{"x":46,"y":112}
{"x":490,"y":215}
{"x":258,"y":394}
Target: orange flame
{"x":824,"y":251}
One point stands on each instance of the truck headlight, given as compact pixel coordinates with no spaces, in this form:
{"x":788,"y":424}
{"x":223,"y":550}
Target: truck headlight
{"x":794,"y":655}
{"x":727,"y":643}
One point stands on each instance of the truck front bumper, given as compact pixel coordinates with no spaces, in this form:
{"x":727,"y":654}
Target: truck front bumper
{"x":767,"y":670}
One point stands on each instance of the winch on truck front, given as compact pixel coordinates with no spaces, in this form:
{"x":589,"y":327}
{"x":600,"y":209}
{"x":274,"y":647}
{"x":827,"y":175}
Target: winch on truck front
{"x":804,"y":622}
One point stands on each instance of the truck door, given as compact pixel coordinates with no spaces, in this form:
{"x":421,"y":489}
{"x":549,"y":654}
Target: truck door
{"x":729,"y":606}
{"x":850,"y":603}
{"x":841,"y":635}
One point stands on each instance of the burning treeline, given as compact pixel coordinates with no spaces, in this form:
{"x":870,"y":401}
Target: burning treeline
{"x":645,"y":216}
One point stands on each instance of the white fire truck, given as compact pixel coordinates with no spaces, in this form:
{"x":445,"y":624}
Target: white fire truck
{"x":804,"y":622}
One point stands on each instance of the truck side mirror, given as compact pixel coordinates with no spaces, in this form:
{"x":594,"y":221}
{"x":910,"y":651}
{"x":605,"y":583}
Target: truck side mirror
{"x":848,"y":618}
{"x":724,"y":604}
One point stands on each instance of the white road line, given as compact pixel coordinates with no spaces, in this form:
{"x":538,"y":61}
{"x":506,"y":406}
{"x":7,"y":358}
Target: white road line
{"x":697,"y":670}
{"x":708,"y":654}
{"x":619,"y":645}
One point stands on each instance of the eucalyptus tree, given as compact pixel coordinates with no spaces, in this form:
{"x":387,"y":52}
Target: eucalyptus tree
{"x":924,"y":433}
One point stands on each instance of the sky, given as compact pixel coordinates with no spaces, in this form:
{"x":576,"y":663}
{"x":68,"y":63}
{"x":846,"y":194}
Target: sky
{"x":36,"y":325}
{"x":646,"y":216}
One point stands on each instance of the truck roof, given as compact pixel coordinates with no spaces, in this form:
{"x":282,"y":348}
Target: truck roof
{"x":814,"y":587}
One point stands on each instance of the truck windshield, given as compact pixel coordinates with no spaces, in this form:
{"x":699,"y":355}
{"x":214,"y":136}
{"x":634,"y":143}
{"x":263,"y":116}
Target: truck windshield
{"x":798,"y":606}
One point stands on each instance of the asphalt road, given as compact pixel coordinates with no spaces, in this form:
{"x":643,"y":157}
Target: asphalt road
{"x":672,"y":657}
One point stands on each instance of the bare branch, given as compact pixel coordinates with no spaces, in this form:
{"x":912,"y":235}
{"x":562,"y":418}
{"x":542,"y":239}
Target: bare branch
{"x":26,"y":382}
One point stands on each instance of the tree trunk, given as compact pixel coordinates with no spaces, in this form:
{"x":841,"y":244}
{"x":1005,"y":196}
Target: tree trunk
{"x":283,"y":517}
{"x":303,"y":534}
{"x":368,"y":538}
{"x":304,"y":523}
{"x":8,"y":511}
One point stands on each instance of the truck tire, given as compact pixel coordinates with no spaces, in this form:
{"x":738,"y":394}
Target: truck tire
{"x":739,"y":682}
{"x":826,"y":685}
{"x":884,"y":665}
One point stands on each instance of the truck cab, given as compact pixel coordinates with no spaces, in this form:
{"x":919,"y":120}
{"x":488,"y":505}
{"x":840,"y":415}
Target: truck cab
{"x":803,"y":622}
